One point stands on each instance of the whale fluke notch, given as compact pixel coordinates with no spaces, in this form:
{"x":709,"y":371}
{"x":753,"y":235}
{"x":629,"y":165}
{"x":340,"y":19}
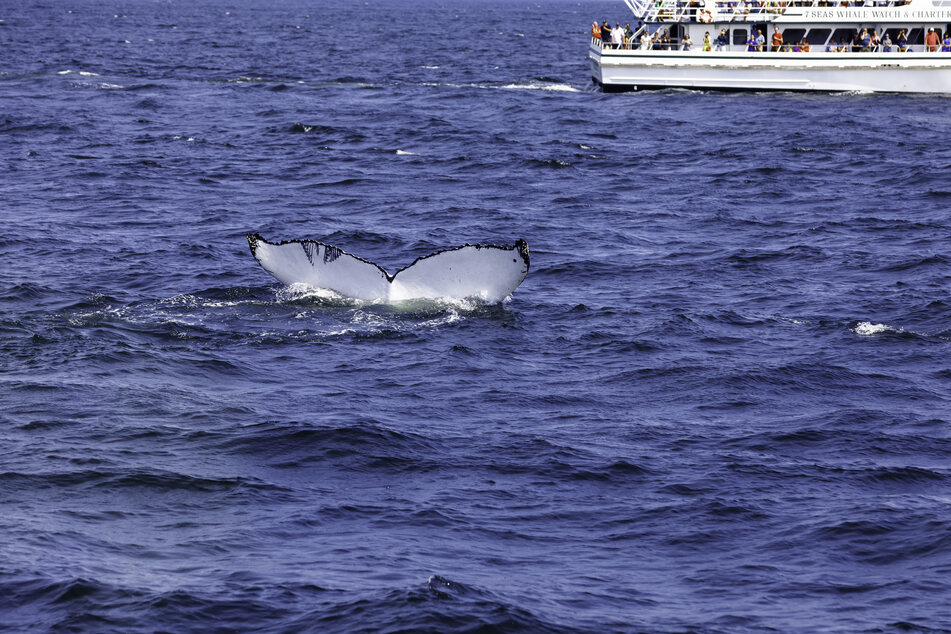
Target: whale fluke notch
{"x":485,"y":272}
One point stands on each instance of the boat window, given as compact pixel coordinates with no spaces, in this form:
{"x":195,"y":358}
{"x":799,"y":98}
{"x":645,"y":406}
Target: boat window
{"x":818,"y":36}
{"x":916,"y":36}
{"x":739,"y":36}
{"x":843,"y":34}
{"x":794,"y":36}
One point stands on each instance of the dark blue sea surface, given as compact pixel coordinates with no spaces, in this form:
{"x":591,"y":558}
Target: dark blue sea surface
{"x":719,"y":402}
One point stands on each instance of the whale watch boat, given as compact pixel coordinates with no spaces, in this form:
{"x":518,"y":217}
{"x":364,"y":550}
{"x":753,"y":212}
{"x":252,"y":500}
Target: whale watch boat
{"x":819,"y":45}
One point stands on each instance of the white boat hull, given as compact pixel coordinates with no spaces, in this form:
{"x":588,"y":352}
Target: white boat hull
{"x":616,"y":70}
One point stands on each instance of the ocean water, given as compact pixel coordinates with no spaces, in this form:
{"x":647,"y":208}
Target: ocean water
{"x":719,"y":402}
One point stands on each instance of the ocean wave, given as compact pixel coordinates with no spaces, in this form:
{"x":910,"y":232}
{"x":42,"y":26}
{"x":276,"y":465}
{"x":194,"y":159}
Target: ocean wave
{"x":358,"y":446}
{"x":81,"y":73}
{"x":115,"y":480}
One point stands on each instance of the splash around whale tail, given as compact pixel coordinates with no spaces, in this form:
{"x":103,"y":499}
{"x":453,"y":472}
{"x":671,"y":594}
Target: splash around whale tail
{"x":484,"y":272}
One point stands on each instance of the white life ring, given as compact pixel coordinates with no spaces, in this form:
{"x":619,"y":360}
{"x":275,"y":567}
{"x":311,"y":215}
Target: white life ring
{"x":705,"y":16}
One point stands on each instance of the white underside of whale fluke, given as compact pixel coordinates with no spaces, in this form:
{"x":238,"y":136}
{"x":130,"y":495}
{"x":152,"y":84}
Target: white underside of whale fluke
{"x":487,"y":273}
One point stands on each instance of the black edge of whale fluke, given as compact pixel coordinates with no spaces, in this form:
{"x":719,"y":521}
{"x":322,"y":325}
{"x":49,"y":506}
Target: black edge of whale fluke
{"x":318,"y":256}
{"x":254,"y":240}
{"x":520,"y":244}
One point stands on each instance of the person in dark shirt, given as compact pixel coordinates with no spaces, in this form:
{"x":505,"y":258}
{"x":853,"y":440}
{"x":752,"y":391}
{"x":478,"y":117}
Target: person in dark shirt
{"x":722,"y":40}
{"x":605,"y":35}
{"x":902,"y":41}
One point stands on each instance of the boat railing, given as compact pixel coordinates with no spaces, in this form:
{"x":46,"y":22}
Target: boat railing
{"x":634,"y":44}
{"x":638,"y":7}
{"x":737,"y":10}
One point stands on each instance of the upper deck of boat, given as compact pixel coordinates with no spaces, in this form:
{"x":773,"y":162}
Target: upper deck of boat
{"x":793,"y":11}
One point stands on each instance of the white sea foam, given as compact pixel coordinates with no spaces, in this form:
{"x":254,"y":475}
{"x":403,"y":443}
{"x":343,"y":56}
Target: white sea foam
{"x":541,"y":86}
{"x":790,"y":320}
{"x":306,"y":291}
{"x":867,"y":329}
{"x":530,"y":86}
{"x":405,"y":153}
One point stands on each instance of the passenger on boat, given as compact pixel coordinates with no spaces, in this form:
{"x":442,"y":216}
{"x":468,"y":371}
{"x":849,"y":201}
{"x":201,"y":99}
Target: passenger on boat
{"x":946,"y":42}
{"x":760,"y":40}
{"x":605,"y":35}
{"x":886,"y":43}
{"x":687,"y":42}
{"x":596,"y":30}
{"x":931,"y":41}
{"x":803,"y":46}
{"x":902,"y":40}
{"x":777,"y":41}
{"x":617,"y":36}
{"x":722,"y":40}
{"x":628,"y":36}
{"x":751,"y":43}
{"x":706,"y":41}
{"x":865,"y":41}
{"x":831,"y":46}
{"x":875,"y":42}
{"x":645,"y":41}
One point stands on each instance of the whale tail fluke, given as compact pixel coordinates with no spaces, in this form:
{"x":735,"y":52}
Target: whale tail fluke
{"x":489,"y":273}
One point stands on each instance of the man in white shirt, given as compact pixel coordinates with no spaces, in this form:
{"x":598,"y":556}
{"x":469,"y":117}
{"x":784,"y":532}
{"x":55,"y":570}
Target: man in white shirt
{"x":645,"y":41}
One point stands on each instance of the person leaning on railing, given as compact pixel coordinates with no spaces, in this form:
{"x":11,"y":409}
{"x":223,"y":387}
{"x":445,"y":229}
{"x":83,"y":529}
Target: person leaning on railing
{"x":722,"y":40}
{"x":886,"y":43}
{"x":931,"y":41}
{"x":777,"y":43}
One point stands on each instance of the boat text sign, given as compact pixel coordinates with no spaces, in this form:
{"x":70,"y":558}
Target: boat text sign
{"x":868,"y":14}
